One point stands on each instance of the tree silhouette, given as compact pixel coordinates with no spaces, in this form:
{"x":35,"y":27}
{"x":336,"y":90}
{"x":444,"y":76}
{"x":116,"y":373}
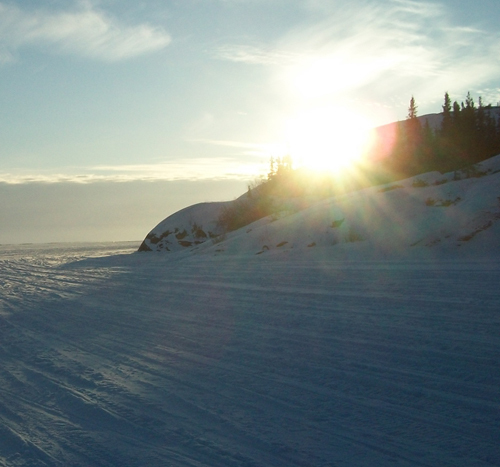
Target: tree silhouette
{"x":446,"y":123}
{"x":467,"y":135}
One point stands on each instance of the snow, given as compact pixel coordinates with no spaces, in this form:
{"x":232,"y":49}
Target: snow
{"x":362,"y":350}
{"x":431,"y":215}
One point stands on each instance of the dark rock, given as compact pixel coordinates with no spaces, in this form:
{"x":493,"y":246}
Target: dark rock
{"x":144,"y":247}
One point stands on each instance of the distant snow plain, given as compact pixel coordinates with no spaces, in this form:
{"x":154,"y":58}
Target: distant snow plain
{"x":297,"y":356}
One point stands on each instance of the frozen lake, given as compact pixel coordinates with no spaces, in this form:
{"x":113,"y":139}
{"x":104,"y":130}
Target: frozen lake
{"x":156,"y":360}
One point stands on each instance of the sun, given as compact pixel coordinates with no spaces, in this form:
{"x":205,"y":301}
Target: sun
{"x":328,"y":139}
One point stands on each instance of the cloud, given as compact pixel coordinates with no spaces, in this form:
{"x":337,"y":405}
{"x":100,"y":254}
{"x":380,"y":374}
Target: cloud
{"x":400,"y":42}
{"x":254,"y":54}
{"x":262,"y":151}
{"x":86,"y":32}
{"x":383,"y":48}
{"x":215,"y":168}
{"x":208,"y":168}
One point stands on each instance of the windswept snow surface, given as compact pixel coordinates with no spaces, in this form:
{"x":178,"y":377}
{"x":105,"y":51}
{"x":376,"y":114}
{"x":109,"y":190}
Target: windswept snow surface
{"x":261,"y":360}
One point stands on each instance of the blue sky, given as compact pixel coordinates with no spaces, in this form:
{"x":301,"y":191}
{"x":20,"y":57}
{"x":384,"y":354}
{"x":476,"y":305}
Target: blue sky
{"x":147,"y":102}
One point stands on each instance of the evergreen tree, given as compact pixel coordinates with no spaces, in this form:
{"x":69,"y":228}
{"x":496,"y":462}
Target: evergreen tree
{"x":272,"y":168}
{"x":491,"y":146}
{"x":427,"y":153}
{"x":407,"y":137}
{"x":456,"y":115}
{"x":412,"y":109}
{"x":467,"y":135}
{"x":457,"y":137}
{"x":413,"y":137}
{"x":469,"y":131}
{"x":445,"y":139}
{"x":446,"y":123}
{"x":480,"y":140}
{"x":469,"y":101}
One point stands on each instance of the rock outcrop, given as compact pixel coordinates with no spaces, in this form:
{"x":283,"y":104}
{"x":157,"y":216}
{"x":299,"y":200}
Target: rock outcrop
{"x":186,"y":228}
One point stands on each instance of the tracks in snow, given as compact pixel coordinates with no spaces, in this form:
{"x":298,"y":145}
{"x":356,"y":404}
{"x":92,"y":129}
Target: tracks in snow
{"x":224,"y":363}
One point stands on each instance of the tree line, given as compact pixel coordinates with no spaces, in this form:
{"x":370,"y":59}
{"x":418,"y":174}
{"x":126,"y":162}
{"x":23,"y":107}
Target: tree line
{"x":466,"y":135}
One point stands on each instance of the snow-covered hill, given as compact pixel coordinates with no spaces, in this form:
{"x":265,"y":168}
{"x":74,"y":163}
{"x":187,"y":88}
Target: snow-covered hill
{"x":432,"y":213}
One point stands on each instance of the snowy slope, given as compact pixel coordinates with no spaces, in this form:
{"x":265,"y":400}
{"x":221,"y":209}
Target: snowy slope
{"x":190,"y":226}
{"x":431,"y":213}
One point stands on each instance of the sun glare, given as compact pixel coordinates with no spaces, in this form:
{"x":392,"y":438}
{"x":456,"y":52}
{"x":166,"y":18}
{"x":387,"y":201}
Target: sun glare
{"x":328,"y":139}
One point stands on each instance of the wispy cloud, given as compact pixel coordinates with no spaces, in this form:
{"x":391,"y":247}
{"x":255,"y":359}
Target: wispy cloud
{"x":254,"y":54}
{"x":86,"y":31}
{"x":216,"y":168}
{"x":400,"y":44}
{"x":261,"y":150}
{"x":391,"y":47}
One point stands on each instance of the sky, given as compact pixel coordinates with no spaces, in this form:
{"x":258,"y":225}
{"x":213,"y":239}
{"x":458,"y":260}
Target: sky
{"x":115,"y":114}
